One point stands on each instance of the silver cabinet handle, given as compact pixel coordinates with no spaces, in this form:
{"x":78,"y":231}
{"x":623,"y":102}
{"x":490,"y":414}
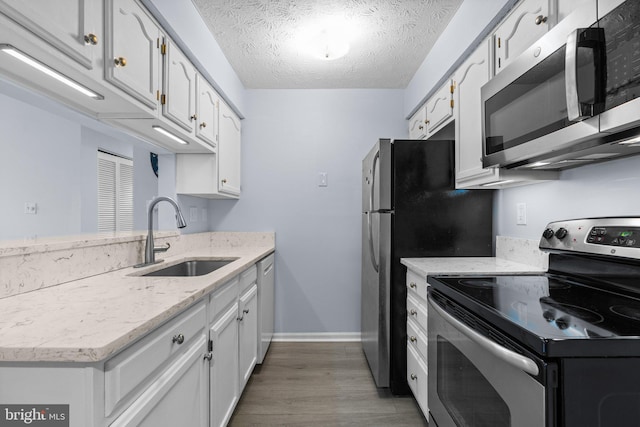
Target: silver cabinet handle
{"x":504,"y":354}
{"x":178,"y":339}
{"x":413,"y":339}
{"x":414,"y":377}
{"x":208,"y":356}
{"x":412,"y":285}
{"x":413,"y":312}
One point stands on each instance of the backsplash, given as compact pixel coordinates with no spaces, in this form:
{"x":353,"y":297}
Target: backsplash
{"x":524,"y":251}
{"x":31,"y":265}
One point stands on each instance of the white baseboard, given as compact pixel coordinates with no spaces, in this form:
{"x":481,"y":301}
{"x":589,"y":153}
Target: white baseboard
{"x":316,"y":337}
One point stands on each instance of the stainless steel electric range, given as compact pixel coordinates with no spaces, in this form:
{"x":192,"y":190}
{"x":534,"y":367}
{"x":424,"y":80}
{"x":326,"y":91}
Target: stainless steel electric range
{"x":555,"y":349}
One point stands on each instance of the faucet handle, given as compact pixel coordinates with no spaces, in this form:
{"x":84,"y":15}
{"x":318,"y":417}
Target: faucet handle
{"x":161,"y":248}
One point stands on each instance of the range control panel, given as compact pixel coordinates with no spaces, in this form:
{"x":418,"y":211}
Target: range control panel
{"x":618,"y":237}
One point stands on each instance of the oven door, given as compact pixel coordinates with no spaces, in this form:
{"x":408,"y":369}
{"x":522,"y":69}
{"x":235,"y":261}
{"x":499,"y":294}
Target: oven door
{"x":475,"y":382}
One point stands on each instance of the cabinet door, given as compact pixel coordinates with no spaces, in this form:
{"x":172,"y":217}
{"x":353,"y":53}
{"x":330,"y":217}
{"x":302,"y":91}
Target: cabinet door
{"x":177,"y":398}
{"x":133,"y":45}
{"x":418,"y":124}
{"x":223,"y":370}
{"x":207,"y":105}
{"x":440,"y":109}
{"x":229,"y":151}
{"x":470,"y":77}
{"x":179,"y":87}
{"x":248,"y":333}
{"x":71,"y":26}
{"x":523,"y":26}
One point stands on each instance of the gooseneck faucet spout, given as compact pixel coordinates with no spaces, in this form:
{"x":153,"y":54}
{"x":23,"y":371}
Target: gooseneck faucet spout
{"x":150,"y":249}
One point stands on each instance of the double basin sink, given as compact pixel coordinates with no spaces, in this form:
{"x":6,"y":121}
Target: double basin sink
{"x":190,"y":268}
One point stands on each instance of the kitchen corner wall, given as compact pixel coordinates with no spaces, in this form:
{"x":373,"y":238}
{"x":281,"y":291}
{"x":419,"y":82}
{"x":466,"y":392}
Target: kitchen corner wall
{"x":604,"y":189}
{"x":288,"y":138}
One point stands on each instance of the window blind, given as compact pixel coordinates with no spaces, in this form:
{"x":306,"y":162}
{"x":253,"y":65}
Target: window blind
{"x":115,"y":193}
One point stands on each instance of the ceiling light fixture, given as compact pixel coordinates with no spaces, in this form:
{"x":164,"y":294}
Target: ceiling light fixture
{"x":328,"y":38}
{"x":169,"y":135}
{"x":330,"y":44}
{"x":26,"y":59}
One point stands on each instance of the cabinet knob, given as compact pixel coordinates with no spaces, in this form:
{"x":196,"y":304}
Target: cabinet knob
{"x":194,"y":117}
{"x":412,"y":285}
{"x":245,"y":311}
{"x":208,"y":356}
{"x":120,"y":61}
{"x":540,"y":19}
{"x":413,"y":312}
{"x":414,"y":377}
{"x":420,"y":127}
{"x":224,"y":181}
{"x":413,"y":339}
{"x":178,"y":339}
{"x":426,"y":121}
{"x":91,"y":39}
{"x":203,"y":124}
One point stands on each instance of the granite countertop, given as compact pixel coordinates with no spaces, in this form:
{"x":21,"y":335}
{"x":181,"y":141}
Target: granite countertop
{"x":90,"y":319}
{"x":467,"y":265}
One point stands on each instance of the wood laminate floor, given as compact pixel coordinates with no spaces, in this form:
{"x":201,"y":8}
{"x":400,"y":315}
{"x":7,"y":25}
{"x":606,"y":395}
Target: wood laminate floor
{"x":320,"y":384}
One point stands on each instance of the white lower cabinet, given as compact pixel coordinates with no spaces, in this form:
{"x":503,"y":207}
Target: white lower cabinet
{"x":417,"y":374}
{"x":178,"y":397}
{"x":223,"y":371}
{"x":188,"y":372}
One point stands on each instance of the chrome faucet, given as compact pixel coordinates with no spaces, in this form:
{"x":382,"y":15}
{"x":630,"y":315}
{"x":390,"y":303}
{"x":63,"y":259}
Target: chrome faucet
{"x":150,"y":249}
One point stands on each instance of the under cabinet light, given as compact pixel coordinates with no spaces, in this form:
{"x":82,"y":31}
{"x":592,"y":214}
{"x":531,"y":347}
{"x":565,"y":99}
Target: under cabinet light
{"x":169,"y":135}
{"x":630,"y":141}
{"x":12,"y":51}
{"x":491,"y":184}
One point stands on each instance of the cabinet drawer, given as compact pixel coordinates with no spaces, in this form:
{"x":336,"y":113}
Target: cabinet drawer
{"x":223,"y":298}
{"x":417,"y":378}
{"x":417,"y":312}
{"x":126,"y":371}
{"x":248,"y":278}
{"x":417,"y":285}
{"x":416,"y":339}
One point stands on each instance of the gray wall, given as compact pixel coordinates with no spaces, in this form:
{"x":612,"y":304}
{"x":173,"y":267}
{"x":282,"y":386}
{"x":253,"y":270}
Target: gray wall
{"x":288,"y":138}
{"x":604,"y":189}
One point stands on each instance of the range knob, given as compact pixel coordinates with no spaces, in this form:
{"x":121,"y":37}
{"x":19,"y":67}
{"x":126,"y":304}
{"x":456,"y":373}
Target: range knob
{"x":548,"y":233}
{"x":561,"y":233}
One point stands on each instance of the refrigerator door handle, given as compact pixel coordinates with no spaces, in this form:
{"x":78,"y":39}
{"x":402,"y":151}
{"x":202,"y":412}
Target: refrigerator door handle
{"x":371,"y":249}
{"x":371,"y":194}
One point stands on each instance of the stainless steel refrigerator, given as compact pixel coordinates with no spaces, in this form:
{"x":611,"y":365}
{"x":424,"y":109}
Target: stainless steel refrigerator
{"x":410,"y":208}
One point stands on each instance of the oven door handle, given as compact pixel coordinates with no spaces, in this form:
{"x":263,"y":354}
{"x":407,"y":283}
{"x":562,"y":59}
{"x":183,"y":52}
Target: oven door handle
{"x":510,"y":357}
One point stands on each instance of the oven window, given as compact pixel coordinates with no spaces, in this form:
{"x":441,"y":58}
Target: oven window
{"x":468,"y":396}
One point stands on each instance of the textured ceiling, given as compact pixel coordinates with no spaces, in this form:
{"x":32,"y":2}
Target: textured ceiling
{"x":265,"y":40}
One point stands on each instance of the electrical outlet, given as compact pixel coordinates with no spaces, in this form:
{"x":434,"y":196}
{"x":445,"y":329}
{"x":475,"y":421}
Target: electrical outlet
{"x":521,"y":214}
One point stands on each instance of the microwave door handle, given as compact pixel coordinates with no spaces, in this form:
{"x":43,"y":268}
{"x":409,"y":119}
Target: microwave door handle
{"x":508,"y":356}
{"x":591,"y":38}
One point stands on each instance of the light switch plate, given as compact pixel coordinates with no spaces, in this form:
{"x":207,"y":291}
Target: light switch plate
{"x":30,"y":208}
{"x":323,"y":179}
{"x":521,"y":214}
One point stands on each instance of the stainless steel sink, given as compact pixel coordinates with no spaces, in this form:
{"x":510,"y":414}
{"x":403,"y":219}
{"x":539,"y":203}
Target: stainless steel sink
{"x":197,"y":267}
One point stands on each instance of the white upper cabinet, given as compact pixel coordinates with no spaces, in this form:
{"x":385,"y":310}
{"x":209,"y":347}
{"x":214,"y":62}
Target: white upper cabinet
{"x":71,"y":26}
{"x":525,"y":24}
{"x":179,"y":87}
{"x":229,"y":138}
{"x":207,"y":105}
{"x":470,"y":77}
{"x":133,"y":50}
{"x":440,"y":108}
{"x":418,"y":124}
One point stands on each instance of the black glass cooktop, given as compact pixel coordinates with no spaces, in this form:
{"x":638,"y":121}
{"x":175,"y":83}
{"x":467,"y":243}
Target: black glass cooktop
{"x":552,"y":315}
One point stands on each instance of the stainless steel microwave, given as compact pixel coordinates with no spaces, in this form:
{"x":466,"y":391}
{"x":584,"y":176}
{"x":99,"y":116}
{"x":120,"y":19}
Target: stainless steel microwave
{"x":571,"y":98}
